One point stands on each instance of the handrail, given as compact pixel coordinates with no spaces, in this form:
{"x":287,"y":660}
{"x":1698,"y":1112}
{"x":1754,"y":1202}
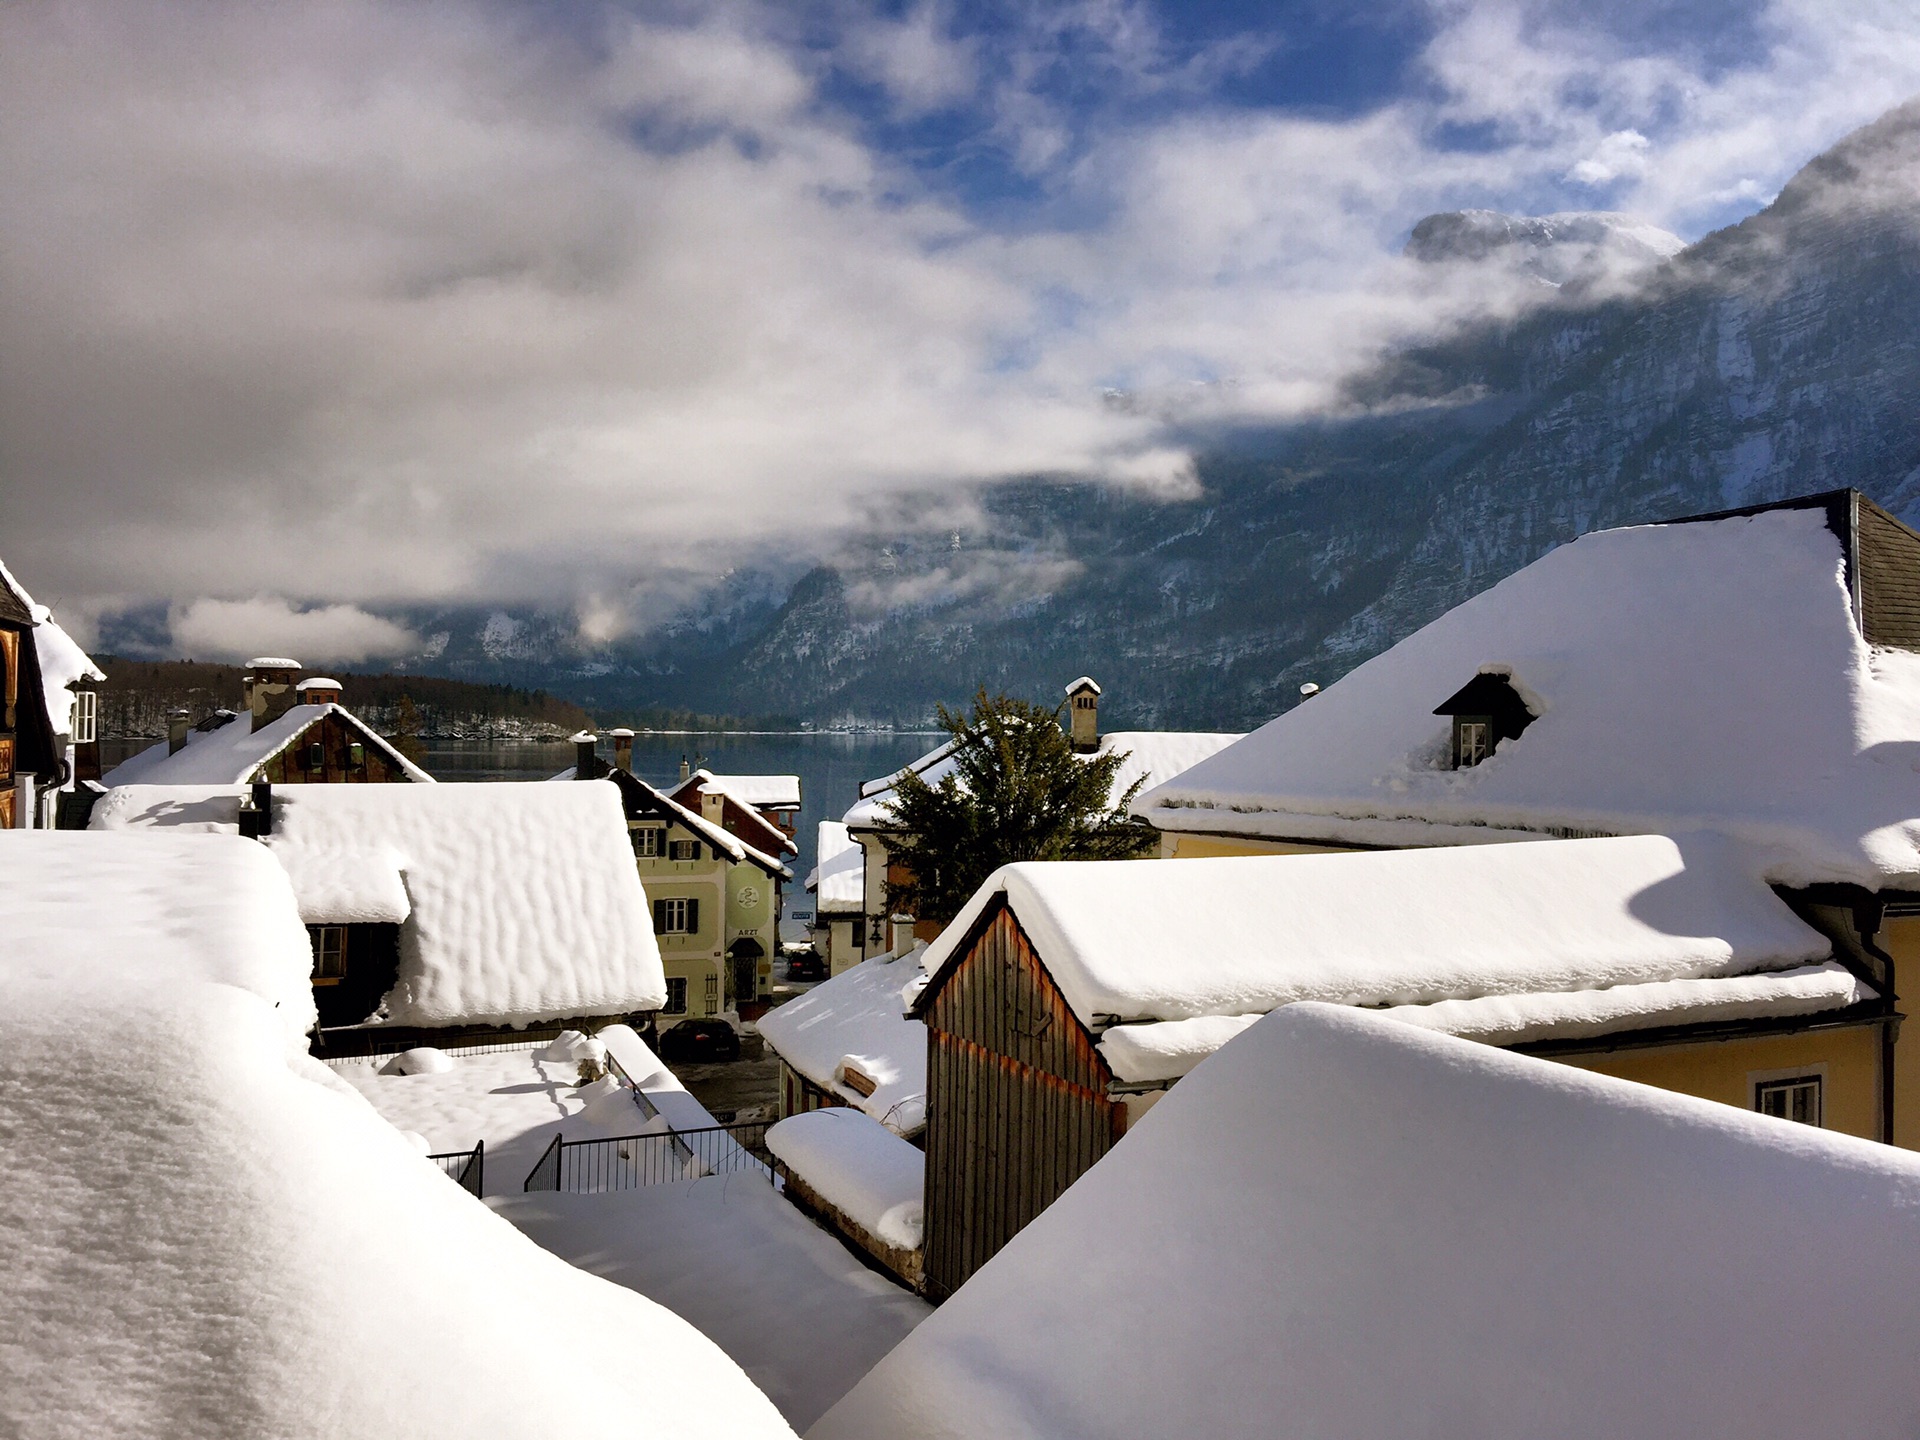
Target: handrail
{"x":626,"y":1162}
{"x":470,"y":1173}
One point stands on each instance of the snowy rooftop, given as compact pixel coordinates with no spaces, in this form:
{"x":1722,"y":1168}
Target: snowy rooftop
{"x":722,"y":840}
{"x":859,"y":1016}
{"x":521,"y":902}
{"x":318,"y":682}
{"x":1152,"y":756}
{"x":771,"y":838}
{"x":861,"y":1168}
{"x":233,"y":752}
{"x":1589,"y":922}
{"x":205,"y":1234}
{"x":763,"y":792}
{"x":839,"y":880}
{"x":1438,"y":1239}
{"x":1698,"y":676}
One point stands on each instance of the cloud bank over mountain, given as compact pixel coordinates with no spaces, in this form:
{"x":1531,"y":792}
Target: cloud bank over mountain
{"x":358,"y":307}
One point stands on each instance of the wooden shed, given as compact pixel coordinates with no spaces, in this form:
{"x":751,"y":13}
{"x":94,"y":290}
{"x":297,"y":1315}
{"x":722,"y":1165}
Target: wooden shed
{"x":1019,"y":1103}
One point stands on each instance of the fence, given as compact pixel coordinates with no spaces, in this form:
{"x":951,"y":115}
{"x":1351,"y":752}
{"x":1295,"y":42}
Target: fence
{"x":627,"y":1162}
{"x":466,"y":1168}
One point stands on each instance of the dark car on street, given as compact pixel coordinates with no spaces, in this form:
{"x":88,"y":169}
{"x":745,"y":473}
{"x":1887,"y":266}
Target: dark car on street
{"x":692,"y":1041}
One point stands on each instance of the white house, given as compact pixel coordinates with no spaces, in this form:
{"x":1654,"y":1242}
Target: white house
{"x":838,"y":886}
{"x":206,"y":1234}
{"x":1345,"y":1226}
{"x":436,"y":906}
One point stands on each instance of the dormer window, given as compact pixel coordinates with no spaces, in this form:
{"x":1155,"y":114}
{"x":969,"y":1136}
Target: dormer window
{"x":1485,"y":711}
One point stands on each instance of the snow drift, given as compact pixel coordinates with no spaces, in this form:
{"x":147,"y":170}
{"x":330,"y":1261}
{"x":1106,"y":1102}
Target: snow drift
{"x":1344,"y":1226}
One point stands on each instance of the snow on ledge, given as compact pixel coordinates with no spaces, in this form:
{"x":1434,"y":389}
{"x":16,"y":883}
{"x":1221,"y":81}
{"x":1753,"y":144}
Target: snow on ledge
{"x":859,"y":1166}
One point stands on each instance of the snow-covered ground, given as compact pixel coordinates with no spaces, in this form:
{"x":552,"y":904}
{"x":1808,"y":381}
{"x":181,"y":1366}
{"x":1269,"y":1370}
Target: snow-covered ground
{"x":783,"y":1298}
{"x":516,"y":1102}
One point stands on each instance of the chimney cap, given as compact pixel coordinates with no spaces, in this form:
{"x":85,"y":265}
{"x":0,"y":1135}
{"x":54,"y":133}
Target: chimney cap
{"x":272,"y":662}
{"x":620,"y":732}
{"x":585,"y":737}
{"x":1085,"y":682}
{"x":319,"y":682}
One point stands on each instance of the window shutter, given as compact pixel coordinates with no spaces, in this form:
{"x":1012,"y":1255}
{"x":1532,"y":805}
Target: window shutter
{"x":659,"y":917}
{"x":693,"y":916}
{"x":696,"y":850}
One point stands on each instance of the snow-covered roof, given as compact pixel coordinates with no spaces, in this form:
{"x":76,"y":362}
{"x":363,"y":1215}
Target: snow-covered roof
{"x":1698,"y":676}
{"x":520,"y":903}
{"x":858,"y":1017}
{"x":862,"y":1169}
{"x":722,"y":840}
{"x":763,"y":792}
{"x":63,"y":664}
{"x":272,"y":662}
{"x":1085,"y":682}
{"x":318,"y":682}
{"x":1341,"y":1226}
{"x":231,"y":753}
{"x":839,"y":881}
{"x":206,"y":1234}
{"x":772,"y":839}
{"x":1588,"y":922}
{"x":1152,"y":756}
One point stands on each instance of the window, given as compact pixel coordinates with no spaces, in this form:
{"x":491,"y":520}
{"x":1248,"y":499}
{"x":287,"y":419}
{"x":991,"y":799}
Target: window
{"x":357,"y":755}
{"x":1794,"y":1098}
{"x":646,"y":842}
{"x":1473,"y":742}
{"x":316,"y":756}
{"x":683,"y":849}
{"x":713,"y":995}
{"x":329,"y":953}
{"x":85,"y":726}
{"x":676,"y":995}
{"x":676,"y":917}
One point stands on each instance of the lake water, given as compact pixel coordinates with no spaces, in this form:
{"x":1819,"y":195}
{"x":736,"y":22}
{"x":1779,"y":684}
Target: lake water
{"x":830,"y":767}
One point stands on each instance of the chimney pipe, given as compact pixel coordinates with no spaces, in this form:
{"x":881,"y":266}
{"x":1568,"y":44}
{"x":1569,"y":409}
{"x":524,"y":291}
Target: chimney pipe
{"x":686,"y":770}
{"x":586,"y":765}
{"x":256,"y":812}
{"x":176,"y":731}
{"x":623,"y":748}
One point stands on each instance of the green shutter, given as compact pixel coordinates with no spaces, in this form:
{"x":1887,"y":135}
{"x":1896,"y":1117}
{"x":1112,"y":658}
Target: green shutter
{"x":659,"y":917}
{"x":693,"y":917}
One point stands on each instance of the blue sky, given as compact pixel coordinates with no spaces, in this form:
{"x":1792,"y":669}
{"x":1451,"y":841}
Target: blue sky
{"x":583,"y":305}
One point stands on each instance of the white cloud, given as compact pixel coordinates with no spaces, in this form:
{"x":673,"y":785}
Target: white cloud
{"x":364,"y":304}
{"x":211,"y":629}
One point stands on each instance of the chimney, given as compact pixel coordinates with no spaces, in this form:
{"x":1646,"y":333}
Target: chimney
{"x":318,"y":690}
{"x":176,"y":731}
{"x":713,"y":805}
{"x":686,"y":770}
{"x":269,"y":687}
{"x":1083,"y":708}
{"x":586,"y":764}
{"x":623,"y":748}
{"x":256,"y":812}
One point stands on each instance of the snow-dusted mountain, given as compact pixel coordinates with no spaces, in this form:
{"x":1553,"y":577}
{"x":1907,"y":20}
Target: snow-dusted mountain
{"x":1776,"y":357}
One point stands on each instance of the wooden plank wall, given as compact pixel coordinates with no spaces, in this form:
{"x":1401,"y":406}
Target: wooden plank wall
{"x":1017,"y":1108}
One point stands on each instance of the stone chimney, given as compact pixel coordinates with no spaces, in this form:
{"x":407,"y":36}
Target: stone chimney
{"x":176,"y":731}
{"x":623,"y":748}
{"x":713,"y":805}
{"x":318,"y":690}
{"x":686,"y":770}
{"x":269,"y":687}
{"x":586,"y":764}
{"x":1083,"y":710}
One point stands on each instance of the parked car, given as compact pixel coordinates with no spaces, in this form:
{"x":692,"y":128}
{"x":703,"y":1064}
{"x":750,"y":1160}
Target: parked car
{"x":805,"y":963}
{"x":699,"y":1040}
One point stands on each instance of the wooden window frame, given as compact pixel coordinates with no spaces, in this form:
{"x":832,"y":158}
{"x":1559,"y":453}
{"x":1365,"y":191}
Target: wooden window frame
{"x":683,"y":850}
{"x":646,"y":841}
{"x":1482,"y":728}
{"x":321,"y":934}
{"x":676,"y":995}
{"x":316,"y":757}
{"x":676,"y":915}
{"x":1788,"y":1087}
{"x":83,"y":724}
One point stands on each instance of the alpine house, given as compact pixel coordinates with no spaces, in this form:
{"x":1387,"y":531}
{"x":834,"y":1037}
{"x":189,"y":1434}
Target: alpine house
{"x":1342,"y":1226}
{"x":289,"y":734}
{"x":49,"y":738}
{"x":1067,"y":997}
{"x":432,"y":908}
{"x":206,"y":1233}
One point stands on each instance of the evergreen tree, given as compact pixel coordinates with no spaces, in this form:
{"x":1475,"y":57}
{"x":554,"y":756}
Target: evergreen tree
{"x":1016,"y":791}
{"x":406,"y":730}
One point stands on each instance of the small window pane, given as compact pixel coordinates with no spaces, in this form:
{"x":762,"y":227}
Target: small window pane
{"x":316,"y":757}
{"x":357,"y":755}
{"x":329,"y":952}
{"x":676,"y":995}
{"x":85,"y":722}
{"x":1797,"y":1099}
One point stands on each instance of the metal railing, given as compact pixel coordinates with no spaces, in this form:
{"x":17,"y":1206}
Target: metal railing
{"x":466,"y":1168}
{"x":627,"y":1162}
